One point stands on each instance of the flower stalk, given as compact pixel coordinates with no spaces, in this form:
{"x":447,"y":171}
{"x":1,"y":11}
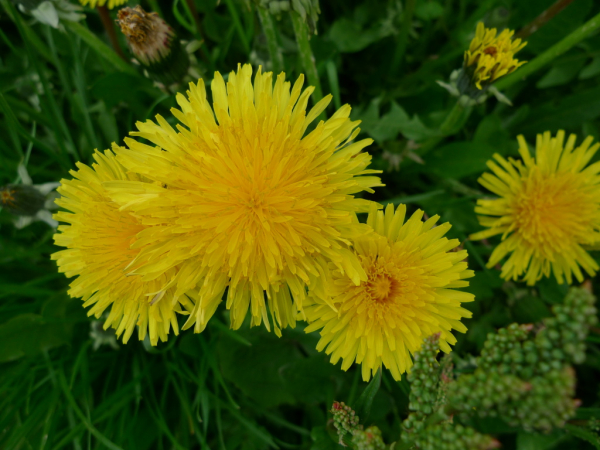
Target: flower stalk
{"x":109,"y":27}
{"x":553,"y":52}
{"x":268,"y":26}
{"x":306,"y":55}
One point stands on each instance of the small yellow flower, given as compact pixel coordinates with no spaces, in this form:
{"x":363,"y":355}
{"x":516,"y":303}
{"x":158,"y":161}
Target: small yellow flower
{"x":257,"y":203}
{"x":412,"y":272}
{"x":109,"y":3}
{"x":490,"y":57}
{"x":548,"y":207}
{"x":98,"y":241}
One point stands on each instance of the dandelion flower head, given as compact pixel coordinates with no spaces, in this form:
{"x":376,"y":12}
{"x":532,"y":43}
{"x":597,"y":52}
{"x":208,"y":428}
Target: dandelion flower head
{"x":256,"y":203}
{"x":410,"y":294}
{"x":110,"y":4}
{"x":490,"y":57}
{"x":147,"y":34}
{"x":548,"y":206}
{"x":98,"y":239}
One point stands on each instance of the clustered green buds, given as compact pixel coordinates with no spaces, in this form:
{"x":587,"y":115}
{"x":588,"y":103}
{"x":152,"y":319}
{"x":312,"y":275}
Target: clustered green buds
{"x":523,"y":377}
{"x":345,"y":419}
{"x":346,"y":422}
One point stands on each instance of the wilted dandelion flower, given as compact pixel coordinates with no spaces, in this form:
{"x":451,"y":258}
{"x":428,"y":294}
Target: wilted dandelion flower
{"x":98,"y":239}
{"x":108,"y":3}
{"x":490,"y":57}
{"x":256,"y":204}
{"x":154,"y":44}
{"x":412,"y":272}
{"x":548,"y":207}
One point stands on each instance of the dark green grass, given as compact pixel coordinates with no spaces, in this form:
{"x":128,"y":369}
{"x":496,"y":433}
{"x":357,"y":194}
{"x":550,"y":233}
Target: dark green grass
{"x":63,"y":94}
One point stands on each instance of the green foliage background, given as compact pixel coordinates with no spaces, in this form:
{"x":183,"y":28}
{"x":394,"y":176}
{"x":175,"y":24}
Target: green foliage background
{"x":65,"y":93}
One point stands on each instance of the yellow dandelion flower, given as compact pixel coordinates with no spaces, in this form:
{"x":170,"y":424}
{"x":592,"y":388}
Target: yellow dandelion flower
{"x":98,"y":238}
{"x":256,"y":203}
{"x":409,"y":295}
{"x":490,"y":57}
{"x":548,"y":207}
{"x":110,"y":4}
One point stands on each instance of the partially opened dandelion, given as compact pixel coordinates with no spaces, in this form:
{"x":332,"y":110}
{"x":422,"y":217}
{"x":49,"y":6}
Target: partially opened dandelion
{"x":410,"y":293}
{"x":548,"y":208}
{"x":98,"y":239}
{"x":256,"y":203}
{"x":491,"y":56}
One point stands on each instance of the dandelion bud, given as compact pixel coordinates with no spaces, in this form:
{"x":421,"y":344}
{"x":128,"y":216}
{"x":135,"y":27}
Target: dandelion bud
{"x":21,"y":199}
{"x":490,"y":57}
{"x":154,"y":44}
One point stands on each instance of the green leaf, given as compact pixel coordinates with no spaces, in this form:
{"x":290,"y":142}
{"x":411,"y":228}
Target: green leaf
{"x":29,"y":335}
{"x":428,"y":10}
{"x":560,"y":74}
{"x":459,"y":159}
{"x":364,"y":402}
{"x":591,"y":70}
{"x":322,"y":440}
{"x":584,"y":434}
{"x":537,"y":441}
{"x":530,"y":309}
{"x":350,"y":37}
{"x":561,"y":113}
{"x":391,"y":124}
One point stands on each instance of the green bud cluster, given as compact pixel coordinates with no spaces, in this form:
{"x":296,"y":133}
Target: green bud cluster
{"x":345,"y":419}
{"x":526,"y":378}
{"x":523,"y":377}
{"x":369,"y":439}
{"x":346,"y":422}
{"x":424,"y":379}
{"x":449,"y":436}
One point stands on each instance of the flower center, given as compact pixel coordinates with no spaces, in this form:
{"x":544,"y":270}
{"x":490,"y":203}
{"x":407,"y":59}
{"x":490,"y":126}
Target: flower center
{"x":491,"y":51}
{"x":550,"y":213}
{"x":382,"y":288}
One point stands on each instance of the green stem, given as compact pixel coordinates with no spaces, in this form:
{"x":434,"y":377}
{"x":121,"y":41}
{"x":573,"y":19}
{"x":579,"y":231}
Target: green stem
{"x":109,"y":27}
{"x":402,"y":42}
{"x":548,"y":56}
{"x":268,"y":26}
{"x":451,"y":125}
{"x":306,"y":55}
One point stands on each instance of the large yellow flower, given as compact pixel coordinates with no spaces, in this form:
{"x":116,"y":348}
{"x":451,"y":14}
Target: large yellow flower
{"x":490,"y":57}
{"x":109,"y":3}
{"x":98,"y":239}
{"x":256,"y":202}
{"x":548,"y":207}
{"x":409,"y":295}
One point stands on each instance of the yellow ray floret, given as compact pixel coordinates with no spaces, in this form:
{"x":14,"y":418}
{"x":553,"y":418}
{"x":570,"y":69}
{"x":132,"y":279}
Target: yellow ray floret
{"x":98,"y":239}
{"x":490,"y":57}
{"x":256,"y":204}
{"x":548,"y":207}
{"x":110,"y":4}
{"x":412,"y":272}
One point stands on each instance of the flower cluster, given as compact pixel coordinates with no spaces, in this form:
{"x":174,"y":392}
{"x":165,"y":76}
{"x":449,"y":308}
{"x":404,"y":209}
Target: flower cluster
{"x":247,"y":200}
